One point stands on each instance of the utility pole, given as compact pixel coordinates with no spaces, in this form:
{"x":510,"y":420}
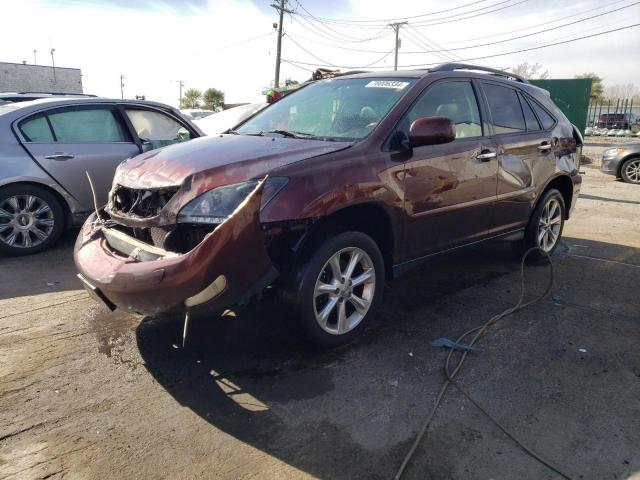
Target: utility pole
{"x":122,"y":77}
{"x":281,"y":10}
{"x":396,"y":27}
{"x":53,"y":64}
{"x":180,"y":85}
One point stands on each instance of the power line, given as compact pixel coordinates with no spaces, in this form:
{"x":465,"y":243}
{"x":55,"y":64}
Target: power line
{"x":434,"y":21}
{"x":532,"y":26}
{"x":541,"y":31}
{"x":315,"y":29}
{"x":324,"y":62}
{"x":405,"y":18}
{"x":500,"y":54}
{"x":243,"y":41}
{"x":431,"y":42}
{"x":429,"y":49}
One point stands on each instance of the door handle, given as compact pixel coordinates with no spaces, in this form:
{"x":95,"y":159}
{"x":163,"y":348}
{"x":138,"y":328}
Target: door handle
{"x":486,"y":155}
{"x":60,"y":156}
{"x":544,"y":147}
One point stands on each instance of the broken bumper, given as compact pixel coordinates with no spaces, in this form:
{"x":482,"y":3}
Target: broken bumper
{"x":227,"y":267}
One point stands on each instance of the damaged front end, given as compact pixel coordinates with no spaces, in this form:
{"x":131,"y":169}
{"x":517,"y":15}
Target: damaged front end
{"x":132,"y":261}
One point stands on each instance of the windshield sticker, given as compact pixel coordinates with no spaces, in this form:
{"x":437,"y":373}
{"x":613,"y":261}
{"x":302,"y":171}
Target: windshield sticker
{"x":386,"y":84}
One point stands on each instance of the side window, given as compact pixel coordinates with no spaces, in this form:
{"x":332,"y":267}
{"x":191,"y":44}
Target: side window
{"x":545,"y":118}
{"x":506,"y":114}
{"x":98,"y":125}
{"x":36,"y":129}
{"x":157,"y":128}
{"x":529,"y":117}
{"x":455,"y":100}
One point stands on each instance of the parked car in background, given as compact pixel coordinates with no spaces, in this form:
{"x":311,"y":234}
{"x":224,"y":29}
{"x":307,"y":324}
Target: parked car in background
{"x":222,"y":121}
{"x":196,"y":113}
{"x":623,"y":161}
{"x":617,"y":121}
{"x":47,"y":145}
{"x":331,"y":190}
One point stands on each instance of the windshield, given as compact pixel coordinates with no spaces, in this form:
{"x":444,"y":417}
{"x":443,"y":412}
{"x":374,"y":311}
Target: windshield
{"x":340,"y":109}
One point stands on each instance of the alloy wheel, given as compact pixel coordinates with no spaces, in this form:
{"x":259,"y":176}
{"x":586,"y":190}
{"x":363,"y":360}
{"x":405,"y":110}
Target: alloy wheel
{"x":550,"y":225}
{"x":25,"y":221}
{"x":632,"y":171}
{"x":344,"y":290}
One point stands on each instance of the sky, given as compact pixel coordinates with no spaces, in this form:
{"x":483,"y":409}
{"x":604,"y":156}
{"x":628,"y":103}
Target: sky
{"x":231,"y":44}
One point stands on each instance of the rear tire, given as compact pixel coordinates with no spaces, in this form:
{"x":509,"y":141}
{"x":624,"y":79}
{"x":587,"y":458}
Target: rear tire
{"x":333,"y":295}
{"x":31,"y":219}
{"x":545,"y":226}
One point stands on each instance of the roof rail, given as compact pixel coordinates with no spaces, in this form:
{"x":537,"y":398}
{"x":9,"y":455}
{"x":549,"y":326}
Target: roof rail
{"x":449,"y":67}
{"x":59,"y":93}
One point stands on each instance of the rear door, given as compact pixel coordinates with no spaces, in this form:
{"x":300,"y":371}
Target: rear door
{"x":68,"y":141}
{"x":523,"y":150}
{"x":449,"y":188}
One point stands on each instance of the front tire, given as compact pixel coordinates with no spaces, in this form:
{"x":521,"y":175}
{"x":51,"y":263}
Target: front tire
{"x":335,"y":293}
{"x":545,"y":226}
{"x":31,"y":219}
{"x":630,"y":171}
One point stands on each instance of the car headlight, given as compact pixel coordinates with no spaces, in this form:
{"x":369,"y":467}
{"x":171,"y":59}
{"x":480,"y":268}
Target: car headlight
{"x":612,"y":152}
{"x":214,"y":206}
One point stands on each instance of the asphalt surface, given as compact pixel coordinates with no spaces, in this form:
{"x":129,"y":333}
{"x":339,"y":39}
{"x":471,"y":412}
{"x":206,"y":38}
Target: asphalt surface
{"x":89,"y":394}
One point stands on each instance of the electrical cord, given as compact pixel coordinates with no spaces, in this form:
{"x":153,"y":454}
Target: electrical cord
{"x":451,"y":374}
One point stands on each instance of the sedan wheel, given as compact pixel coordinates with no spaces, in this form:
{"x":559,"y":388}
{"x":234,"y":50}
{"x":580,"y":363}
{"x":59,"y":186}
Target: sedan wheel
{"x":25,"y":221}
{"x":631,"y":171}
{"x":31,"y":219}
{"x":550,"y":225}
{"x":344,"y":291}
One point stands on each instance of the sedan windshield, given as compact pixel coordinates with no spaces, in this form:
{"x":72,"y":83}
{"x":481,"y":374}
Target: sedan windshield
{"x":336,"y":109}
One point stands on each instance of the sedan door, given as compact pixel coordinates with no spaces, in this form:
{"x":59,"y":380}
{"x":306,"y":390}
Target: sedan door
{"x":449,"y":188}
{"x":68,"y":141}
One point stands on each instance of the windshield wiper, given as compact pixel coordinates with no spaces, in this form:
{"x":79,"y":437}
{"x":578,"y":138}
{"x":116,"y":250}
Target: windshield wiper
{"x":288,"y":134}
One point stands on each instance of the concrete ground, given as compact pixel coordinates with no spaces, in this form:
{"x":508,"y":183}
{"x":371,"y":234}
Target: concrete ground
{"x":87,"y":394}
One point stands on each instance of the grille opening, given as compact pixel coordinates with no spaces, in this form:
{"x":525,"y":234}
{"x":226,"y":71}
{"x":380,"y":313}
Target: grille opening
{"x":175,"y":238}
{"x":141,"y":203}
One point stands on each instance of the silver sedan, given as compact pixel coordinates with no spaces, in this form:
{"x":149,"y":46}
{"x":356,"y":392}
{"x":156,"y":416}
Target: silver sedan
{"x":47,"y":145}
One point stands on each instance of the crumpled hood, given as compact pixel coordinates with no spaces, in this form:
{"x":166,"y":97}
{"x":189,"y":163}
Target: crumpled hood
{"x":218,"y":160}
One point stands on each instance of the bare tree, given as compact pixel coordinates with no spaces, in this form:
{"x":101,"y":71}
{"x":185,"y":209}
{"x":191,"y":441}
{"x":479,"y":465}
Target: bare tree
{"x":628,"y":90}
{"x":525,"y":70}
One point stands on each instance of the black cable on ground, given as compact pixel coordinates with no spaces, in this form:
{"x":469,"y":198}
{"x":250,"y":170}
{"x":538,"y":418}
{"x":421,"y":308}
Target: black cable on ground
{"x":451,"y":374}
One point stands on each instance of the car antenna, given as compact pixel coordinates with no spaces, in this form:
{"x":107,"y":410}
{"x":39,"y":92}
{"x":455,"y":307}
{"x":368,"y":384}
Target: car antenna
{"x":93,"y":194}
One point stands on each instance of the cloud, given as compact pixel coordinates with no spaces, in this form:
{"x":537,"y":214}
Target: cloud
{"x":156,"y":43}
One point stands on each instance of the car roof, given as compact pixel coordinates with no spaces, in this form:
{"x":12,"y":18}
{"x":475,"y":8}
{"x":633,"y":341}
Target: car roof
{"x":57,"y":101}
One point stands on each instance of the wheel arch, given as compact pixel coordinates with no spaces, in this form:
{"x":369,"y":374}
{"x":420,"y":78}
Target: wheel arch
{"x":370,"y":218}
{"x":564,"y":185}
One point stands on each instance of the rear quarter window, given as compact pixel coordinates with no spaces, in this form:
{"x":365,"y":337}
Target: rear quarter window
{"x":37,"y":130}
{"x":545,"y":117}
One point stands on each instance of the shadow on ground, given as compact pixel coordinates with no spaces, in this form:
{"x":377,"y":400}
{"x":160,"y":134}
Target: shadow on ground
{"x":45,"y":272}
{"x":352,"y":412}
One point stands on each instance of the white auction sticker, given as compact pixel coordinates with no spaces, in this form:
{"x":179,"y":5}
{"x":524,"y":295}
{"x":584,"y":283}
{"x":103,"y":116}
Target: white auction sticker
{"x":386,"y":84}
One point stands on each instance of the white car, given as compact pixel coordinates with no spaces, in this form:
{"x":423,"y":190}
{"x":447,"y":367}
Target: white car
{"x":196,"y":113}
{"x":223,"y":121}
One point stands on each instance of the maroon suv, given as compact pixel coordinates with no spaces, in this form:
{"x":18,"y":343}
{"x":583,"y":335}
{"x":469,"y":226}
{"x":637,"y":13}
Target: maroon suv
{"x":332,"y":190}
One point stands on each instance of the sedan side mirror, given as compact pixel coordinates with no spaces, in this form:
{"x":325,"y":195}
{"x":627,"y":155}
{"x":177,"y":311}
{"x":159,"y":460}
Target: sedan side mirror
{"x":431,"y":131}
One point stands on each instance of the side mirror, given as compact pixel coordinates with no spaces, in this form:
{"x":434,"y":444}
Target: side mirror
{"x":431,"y":131}
{"x":146,"y":145}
